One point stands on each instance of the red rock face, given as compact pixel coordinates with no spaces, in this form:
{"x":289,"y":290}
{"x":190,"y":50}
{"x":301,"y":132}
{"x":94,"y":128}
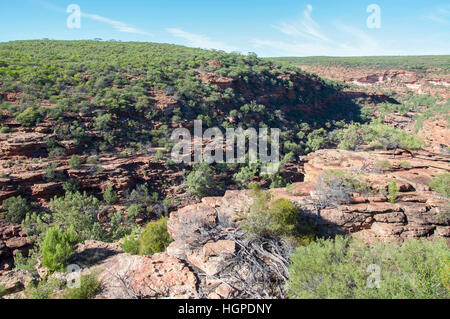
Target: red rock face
{"x":436,"y":133}
{"x":417,"y":213}
{"x":158,"y":276}
{"x":12,"y":241}
{"x":399,"y":80}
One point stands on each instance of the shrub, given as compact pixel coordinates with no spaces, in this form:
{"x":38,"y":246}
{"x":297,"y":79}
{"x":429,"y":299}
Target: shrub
{"x":131,"y":244}
{"x":246,"y":174}
{"x":110,"y":196}
{"x":75,"y":162}
{"x":339,"y":268}
{"x":155,"y":238}
{"x":29,"y":117}
{"x":200,"y":181}
{"x":52,"y":174}
{"x":405,"y":164}
{"x":36,"y":225}
{"x":159,"y":155}
{"x":441,"y":184}
{"x":133,"y":211}
{"x":89,"y":286}
{"x":71,"y":186}
{"x":350,"y":138}
{"x":376,"y":136}
{"x":80,"y":211}
{"x":45,"y":289}
{"x":275,"y":219}
{"x":317,"y":139}
{"x":58,"y":247}
{"x":334,"y":177}
{"x":3,"y":291}
{"x":27,"y":263}
{"x":392,"y":191}
{"x":383,"y":165}
{"x":16,"y":209}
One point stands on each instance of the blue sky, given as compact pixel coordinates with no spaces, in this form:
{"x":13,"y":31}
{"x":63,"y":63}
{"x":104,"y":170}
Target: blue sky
{"x":267,"y":27}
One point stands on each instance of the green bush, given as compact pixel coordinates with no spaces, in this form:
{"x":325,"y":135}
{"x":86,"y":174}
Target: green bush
{"x":159,"y":155}
{"x":29,"y":117}
{"x":376,"y":136}
{"x":52,"y":174}
{"x":80,"y":211}
{"x":3,"y":291}
{"x":393,"y":191}
{"x":15,"y":209}
{"x":131,"y":244}
{"x":340,"y":268}
{"x":58,"y":247}
{"x":317,"y":139}
{"x":27,"y":263}
{"x":89,"y":286}
{"x":336,"y":177}
{"x":441,"y":184}
{"x":246,"y":174}
{"x":110,"y":196}
{"x":45,"y":289}
{"x":200,"y":181}
{"x":155,"y":238}
{"x":75,"y":162}
{"x":275,"y":219}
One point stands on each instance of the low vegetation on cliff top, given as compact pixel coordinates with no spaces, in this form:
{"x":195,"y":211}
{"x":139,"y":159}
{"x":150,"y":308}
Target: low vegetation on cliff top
{"x":346,"y":268}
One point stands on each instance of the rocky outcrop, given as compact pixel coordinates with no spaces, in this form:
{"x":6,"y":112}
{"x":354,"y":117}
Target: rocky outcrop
{"x":402,"y":81}
{"x":16,"y":280}
{"x":417,"y":213}
{"x":206,"y":258}
{"x":123,"y":173}
{"x":23,"y":144}
{"x":160,"y":276}
{"x":12,"y":242}
{"x":436,"y":133}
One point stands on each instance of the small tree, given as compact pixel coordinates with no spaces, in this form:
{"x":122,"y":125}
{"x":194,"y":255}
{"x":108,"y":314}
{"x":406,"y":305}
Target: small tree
{"x":200,"y":181}
{"x":110,"y":196}
{"x":275,"y":219}
{"x":131,"y":244}
{"x":155,"y":239}
{"x":75,"y":162}
{"x":393,"y":191}
{"x":29,"y":117}
{"x":16,"y":208}
{"x":441,"y":184}
{"x":58,"y":247}
{"x":159,"y":155}
{"x":80,"y":211}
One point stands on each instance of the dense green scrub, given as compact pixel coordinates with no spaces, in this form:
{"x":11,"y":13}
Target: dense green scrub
{"x":412,"y":63}
{"x":346,"y":268}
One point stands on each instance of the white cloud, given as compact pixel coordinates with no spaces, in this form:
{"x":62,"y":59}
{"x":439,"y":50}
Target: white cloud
{"x":306,"y":39}
{"x":440,"y":15}
{"x":306,"y":27}
{"x":118,"y":25}
{"x":200,"y":41}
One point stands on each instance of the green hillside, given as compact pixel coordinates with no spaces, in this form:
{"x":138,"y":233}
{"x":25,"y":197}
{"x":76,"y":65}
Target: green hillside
{"x":411,"y":63}
{"x":134,"y":92}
